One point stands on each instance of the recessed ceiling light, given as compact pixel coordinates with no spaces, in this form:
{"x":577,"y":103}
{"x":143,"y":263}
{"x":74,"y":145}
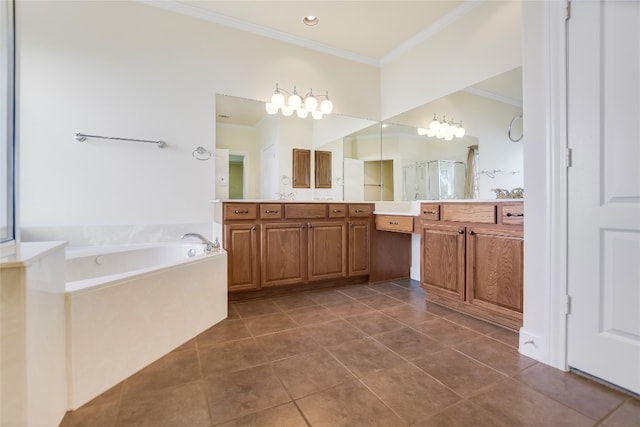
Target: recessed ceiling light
{"x":310,"y":20}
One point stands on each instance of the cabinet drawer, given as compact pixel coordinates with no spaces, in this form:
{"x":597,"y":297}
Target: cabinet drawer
{"x":270,"y":211}
{"x":485,"y":214}
{"x":305,"y":210}
{"x":337,"y":211}
{"x":360,"y":210}
{"x":240,"y":211}
{"x":396,"y":223}
{"x":512,"y":214}
{"x":430,"y":211}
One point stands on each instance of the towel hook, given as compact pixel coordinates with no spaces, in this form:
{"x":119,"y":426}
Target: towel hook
{"x":519,"y":116}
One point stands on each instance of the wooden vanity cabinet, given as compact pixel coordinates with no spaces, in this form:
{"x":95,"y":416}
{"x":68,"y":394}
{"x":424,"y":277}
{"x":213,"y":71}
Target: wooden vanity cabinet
{"x":296,"y":243}
{"x":301,"y":168}
{"x":475,"y":267}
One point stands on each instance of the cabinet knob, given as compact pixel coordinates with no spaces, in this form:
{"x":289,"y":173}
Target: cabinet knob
{"x":471,"y":233}
{"x":253,"y":228}
{"x":337,"y":210}
{"x":393,"y":223}
{"x":429,"y":212}
{"x":237,"y":211}
{"x":267,"y":211}
{"x":514,"y":214}
{"x":462,"y":232}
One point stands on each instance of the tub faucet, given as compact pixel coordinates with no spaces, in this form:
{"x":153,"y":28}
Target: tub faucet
{"x":210,"y":247}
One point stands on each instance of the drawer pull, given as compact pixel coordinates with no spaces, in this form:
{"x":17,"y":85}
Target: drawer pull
{"x":244,"y":211}
{"x":394,"y":223}
{"x":462,"y":232}
{"x":360,"y":211}
{"x":429,"y":212}
{"x":471,"y":233}
{"x":509,"y":214}
{"x":337,"y":210}
{"x":267,"y":211}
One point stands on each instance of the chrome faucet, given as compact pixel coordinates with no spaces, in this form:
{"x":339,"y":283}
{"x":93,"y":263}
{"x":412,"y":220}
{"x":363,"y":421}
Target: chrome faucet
{"x":210,"y":247}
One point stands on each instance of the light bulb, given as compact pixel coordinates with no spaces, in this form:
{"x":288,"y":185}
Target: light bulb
{"x":431,"y":133}
{"x":435,"y":124}
{"x":286,"y":110}
{"x":440,"y":134}
{"x":326,"y":106}
{"x":422,"y":131}
{"x":294,"y":100}
{"x":452,"y":126}
{"x":310,"y":101}
{"x":461,"y":131}
{"x":444,"y":126}
{"x":302,"y":113}
{"x":316,"y":114}
{"x":448,"y":136}
{"x":271,"y":109}
{"x":277,"y":98}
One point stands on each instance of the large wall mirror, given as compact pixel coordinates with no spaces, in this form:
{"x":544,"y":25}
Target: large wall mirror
{"x":374,"y":161}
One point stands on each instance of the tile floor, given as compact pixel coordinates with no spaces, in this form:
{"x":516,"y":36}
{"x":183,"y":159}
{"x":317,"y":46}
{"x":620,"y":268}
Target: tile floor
{"x":366,"y":355}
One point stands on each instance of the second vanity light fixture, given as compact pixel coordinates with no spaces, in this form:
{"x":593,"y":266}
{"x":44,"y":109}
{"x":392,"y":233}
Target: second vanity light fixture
{"x":444,"y":129}
{"x":302,"y":106}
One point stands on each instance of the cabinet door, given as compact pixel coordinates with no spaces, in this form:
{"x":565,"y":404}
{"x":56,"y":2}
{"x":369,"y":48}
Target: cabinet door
{"x":495,"y":268}
{"x":327,"y":244}
{"x":243,"y":260}
{"x":284,"y":253}
{"x":359,"y":247}
{"x":301,"y":168}
{"x":443,"y":261}
{"x":323,"y":169}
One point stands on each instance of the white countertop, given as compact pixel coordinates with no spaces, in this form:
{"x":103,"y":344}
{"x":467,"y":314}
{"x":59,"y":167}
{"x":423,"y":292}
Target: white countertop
{"x":28,"y":253}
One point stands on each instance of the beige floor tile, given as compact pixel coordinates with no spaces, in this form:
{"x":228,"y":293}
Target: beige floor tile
{"x":409,"y":314}
{"x":286,"y":415}
{"x":311,"y":315}
{"x":333,"y":333}
{"x":227,"y":330}
{"x":627,"y":415}
{"x":463,"y":413}
{"x":269,"y":323}
{"x":285,"y":344}
{"x":220,"y":359}
{"x":499,"y":356}
{"x":374,"y":323}
{"x":175,"y":368}
{"x":446,"y":332}
{"x":409,"y":343}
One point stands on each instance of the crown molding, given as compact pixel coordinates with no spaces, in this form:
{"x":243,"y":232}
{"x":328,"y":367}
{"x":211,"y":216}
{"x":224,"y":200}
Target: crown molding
{"x":216,"y":18}
{"x":437,"y":26}
{"x":495,"y":97}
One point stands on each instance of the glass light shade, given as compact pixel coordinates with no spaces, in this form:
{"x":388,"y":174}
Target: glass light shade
{"x":422,"y":131}
{"x":434,"y":124}
{"x":271,"y":109}
{"x":287,"y":111}
{"x":448,"y":137}
{"x":316,"y":114}
{"x":444,"y":126}
{"x":440,"y":134}
{"x":453,"y":127}
{"x":295,"y":101}
{"x":461,"y":131}
{"x":310,"y":103}
{"x":430,"y":133}
{"x":277,"y":99}
{"x":326,"y":106}
{"x":302,"y":113}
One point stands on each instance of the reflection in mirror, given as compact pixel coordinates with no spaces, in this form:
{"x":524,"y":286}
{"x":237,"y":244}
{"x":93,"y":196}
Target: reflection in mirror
{"x":484,"y":160}
{"x":263,"y":144}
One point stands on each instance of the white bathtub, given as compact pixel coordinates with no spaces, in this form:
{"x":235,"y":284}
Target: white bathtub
{"x":127,"y":306}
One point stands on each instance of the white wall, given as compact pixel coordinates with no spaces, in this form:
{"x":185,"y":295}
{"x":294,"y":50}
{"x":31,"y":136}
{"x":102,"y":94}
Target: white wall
{"x":243,"y":139}
{"x":132,"y":70}
{"x":483,"y":43}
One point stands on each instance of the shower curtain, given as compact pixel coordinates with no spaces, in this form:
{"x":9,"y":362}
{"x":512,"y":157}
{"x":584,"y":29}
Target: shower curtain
{"x":471,"y":183}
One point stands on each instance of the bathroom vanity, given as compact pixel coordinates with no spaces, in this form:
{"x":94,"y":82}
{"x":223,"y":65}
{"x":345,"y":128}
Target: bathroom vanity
{"x":471,"y":258}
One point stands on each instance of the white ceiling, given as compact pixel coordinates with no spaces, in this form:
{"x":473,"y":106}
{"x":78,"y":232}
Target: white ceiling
{"x":367,"y":31}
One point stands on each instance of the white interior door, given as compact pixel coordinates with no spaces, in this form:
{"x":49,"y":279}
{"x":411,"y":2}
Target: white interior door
{"x":604,"y":190}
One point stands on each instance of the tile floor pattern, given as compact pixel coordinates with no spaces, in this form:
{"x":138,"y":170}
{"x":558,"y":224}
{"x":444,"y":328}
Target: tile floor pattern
{"x":366,"y":355}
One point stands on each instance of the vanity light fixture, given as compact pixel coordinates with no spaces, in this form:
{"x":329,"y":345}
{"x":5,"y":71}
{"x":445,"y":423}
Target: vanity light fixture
{"x":444,"y":129}
{"x":301,"y":105}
